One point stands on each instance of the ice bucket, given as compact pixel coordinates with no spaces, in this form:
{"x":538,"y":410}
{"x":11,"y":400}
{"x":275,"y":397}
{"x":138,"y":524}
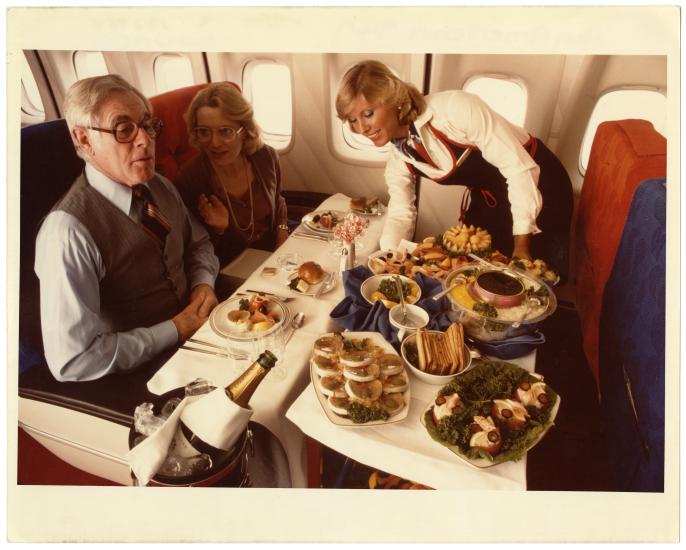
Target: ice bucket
{"x":230,"y":470}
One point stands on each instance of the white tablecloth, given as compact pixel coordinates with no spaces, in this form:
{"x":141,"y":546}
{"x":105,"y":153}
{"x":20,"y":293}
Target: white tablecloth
{"x":279,"y":389}
{"x":286,"y":402}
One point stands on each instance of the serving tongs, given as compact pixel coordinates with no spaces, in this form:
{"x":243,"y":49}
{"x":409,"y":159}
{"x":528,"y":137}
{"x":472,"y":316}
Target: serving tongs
{"x":492,"y":265}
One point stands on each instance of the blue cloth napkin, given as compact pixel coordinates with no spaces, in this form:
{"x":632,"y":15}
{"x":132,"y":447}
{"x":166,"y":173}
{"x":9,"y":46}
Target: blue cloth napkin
{"x":355,"y":313}
{"x":512,"y":347}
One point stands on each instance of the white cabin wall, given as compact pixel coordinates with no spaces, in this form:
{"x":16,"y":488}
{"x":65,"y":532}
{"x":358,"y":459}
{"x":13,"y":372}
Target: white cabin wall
{"x":309,"y":164}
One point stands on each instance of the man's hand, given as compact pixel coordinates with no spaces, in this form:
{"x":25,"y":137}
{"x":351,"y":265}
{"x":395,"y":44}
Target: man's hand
{"x":213,"y":213}
{"x":205,"y":296}
{"x":190,"y":319}
{"x":522,"y":245}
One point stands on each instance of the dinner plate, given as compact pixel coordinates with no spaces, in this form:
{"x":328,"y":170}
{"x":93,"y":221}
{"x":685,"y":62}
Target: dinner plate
{"x":379,"y":340}
{"x":220,"y":324}
{"x":313,"y":290}
{"x":481,"y":463}
{"x":309,"y":223}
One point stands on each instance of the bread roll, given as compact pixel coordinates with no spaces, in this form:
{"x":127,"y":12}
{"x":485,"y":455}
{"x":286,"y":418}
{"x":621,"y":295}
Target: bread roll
{"x":311,"y":272}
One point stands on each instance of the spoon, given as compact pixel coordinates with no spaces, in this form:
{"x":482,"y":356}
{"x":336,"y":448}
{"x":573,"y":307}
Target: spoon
{"x":296,"y":323}
{"x":399,"y":286}
{"x":530,"y":303}
{"x":489,"y":264}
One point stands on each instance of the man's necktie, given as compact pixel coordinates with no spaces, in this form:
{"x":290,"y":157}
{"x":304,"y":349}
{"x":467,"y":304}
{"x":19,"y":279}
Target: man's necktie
{"x":153,"y":221}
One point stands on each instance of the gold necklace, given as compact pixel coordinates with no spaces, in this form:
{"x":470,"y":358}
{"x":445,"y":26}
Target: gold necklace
{"x":250,"y":225}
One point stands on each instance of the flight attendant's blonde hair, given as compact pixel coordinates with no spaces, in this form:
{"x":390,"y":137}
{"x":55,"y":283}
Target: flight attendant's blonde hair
{"x":226,"y":97}
{"x":377,"y":83}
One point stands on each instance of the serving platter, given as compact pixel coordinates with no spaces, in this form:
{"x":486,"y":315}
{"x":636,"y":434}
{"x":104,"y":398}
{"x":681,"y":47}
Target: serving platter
{"x":338,"y":420}
{"x":532,"y":433}
{"x":312,"y":221}
{"x":219,"y":322}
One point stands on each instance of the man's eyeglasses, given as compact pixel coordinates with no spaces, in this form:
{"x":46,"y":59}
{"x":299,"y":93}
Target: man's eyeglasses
{"x":225,"y":133}
{"x":127,"y":130}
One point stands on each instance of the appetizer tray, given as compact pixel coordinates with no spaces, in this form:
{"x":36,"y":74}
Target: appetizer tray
{"x":477,"y":388}
{"x":322,"y":221}
{"x":272,"y":308}
{"x":384,"y":347}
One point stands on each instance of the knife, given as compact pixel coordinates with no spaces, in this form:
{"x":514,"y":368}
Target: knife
{"x":301,"y":235}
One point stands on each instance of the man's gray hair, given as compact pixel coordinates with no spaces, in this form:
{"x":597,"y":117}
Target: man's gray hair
{"x":85,"y":98}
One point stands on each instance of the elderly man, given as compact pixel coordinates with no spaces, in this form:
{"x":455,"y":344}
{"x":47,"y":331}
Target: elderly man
{"x":125,"y":271}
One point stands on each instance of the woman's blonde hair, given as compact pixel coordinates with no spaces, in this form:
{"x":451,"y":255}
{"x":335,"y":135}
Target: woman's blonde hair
{"x":228,"y":99}
{"x":379,"y":85}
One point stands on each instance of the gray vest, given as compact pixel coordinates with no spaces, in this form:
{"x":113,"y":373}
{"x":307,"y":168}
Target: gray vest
{"x":143,"y":284}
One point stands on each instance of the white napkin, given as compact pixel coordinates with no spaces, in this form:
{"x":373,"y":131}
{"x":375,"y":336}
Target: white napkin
{"x":216,"y":419}
{"x":147,"y":457}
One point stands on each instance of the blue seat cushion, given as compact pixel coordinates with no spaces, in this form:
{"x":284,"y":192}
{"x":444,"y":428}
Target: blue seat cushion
{"x":632,"y":345}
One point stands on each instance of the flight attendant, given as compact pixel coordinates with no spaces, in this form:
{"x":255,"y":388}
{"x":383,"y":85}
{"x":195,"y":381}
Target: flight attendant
{"x":517,"y":189}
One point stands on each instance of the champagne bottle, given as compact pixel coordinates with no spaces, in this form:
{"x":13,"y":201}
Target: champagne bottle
{"x":241,"y":389}
{"x":212,"y":424}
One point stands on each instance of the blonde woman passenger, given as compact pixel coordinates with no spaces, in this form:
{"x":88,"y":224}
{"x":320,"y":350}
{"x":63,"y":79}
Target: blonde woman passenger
{"x":518,"y":189}
{"x":234,"y":184}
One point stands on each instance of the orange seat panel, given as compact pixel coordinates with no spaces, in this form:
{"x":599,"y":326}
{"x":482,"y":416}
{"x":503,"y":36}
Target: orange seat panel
{"x":624,"y":154}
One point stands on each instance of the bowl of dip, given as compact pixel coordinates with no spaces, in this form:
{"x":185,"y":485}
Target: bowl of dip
{"x":499,"y":288}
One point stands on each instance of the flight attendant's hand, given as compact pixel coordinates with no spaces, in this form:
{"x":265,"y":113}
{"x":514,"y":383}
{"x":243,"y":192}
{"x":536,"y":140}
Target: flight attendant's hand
{"x":522,"y":244}
{"x":213,"y":213}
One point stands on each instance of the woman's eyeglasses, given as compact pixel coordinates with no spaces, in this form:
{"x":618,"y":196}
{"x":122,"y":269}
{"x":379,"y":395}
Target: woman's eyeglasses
{"x":126,"y":131}
{"x":225,"y":133}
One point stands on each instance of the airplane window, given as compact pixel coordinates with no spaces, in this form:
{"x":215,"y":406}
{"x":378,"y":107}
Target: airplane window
{"x":502,"y":94}
{"x":267,"y":85}
{"x":31,"y":102}
{"x":87,"y":64}
{"x":172,"y":71}
{"x":646,"y":104}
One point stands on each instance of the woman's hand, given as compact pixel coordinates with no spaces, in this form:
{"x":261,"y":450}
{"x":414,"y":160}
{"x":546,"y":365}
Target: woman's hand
{"x":522,"y":248}
{"x":281,"y":236}
{"x":213,"y":213}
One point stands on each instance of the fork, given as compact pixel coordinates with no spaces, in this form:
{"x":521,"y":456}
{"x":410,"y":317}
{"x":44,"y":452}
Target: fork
{"x":225,"y":353}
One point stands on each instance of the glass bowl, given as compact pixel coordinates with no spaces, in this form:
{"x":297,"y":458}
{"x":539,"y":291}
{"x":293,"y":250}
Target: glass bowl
{"x":480,"y":323}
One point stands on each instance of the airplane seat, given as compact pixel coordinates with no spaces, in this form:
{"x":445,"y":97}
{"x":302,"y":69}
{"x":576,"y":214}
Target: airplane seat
{"x":171,"y":147}
{"x":49,"y":165}
{"x":624,"y":153}
{"x":632,"y":345}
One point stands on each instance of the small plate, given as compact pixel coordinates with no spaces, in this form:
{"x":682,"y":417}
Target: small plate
{"x":379,"y":340}
{"x":220,"y":324}
{"x":481,"y":463}
{"x":377,"y":210}
{"x":309,"y":223}
{"x":314,"y":289}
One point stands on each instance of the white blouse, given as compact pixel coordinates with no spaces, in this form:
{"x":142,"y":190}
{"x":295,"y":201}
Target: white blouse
{"x":465,"y":118}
